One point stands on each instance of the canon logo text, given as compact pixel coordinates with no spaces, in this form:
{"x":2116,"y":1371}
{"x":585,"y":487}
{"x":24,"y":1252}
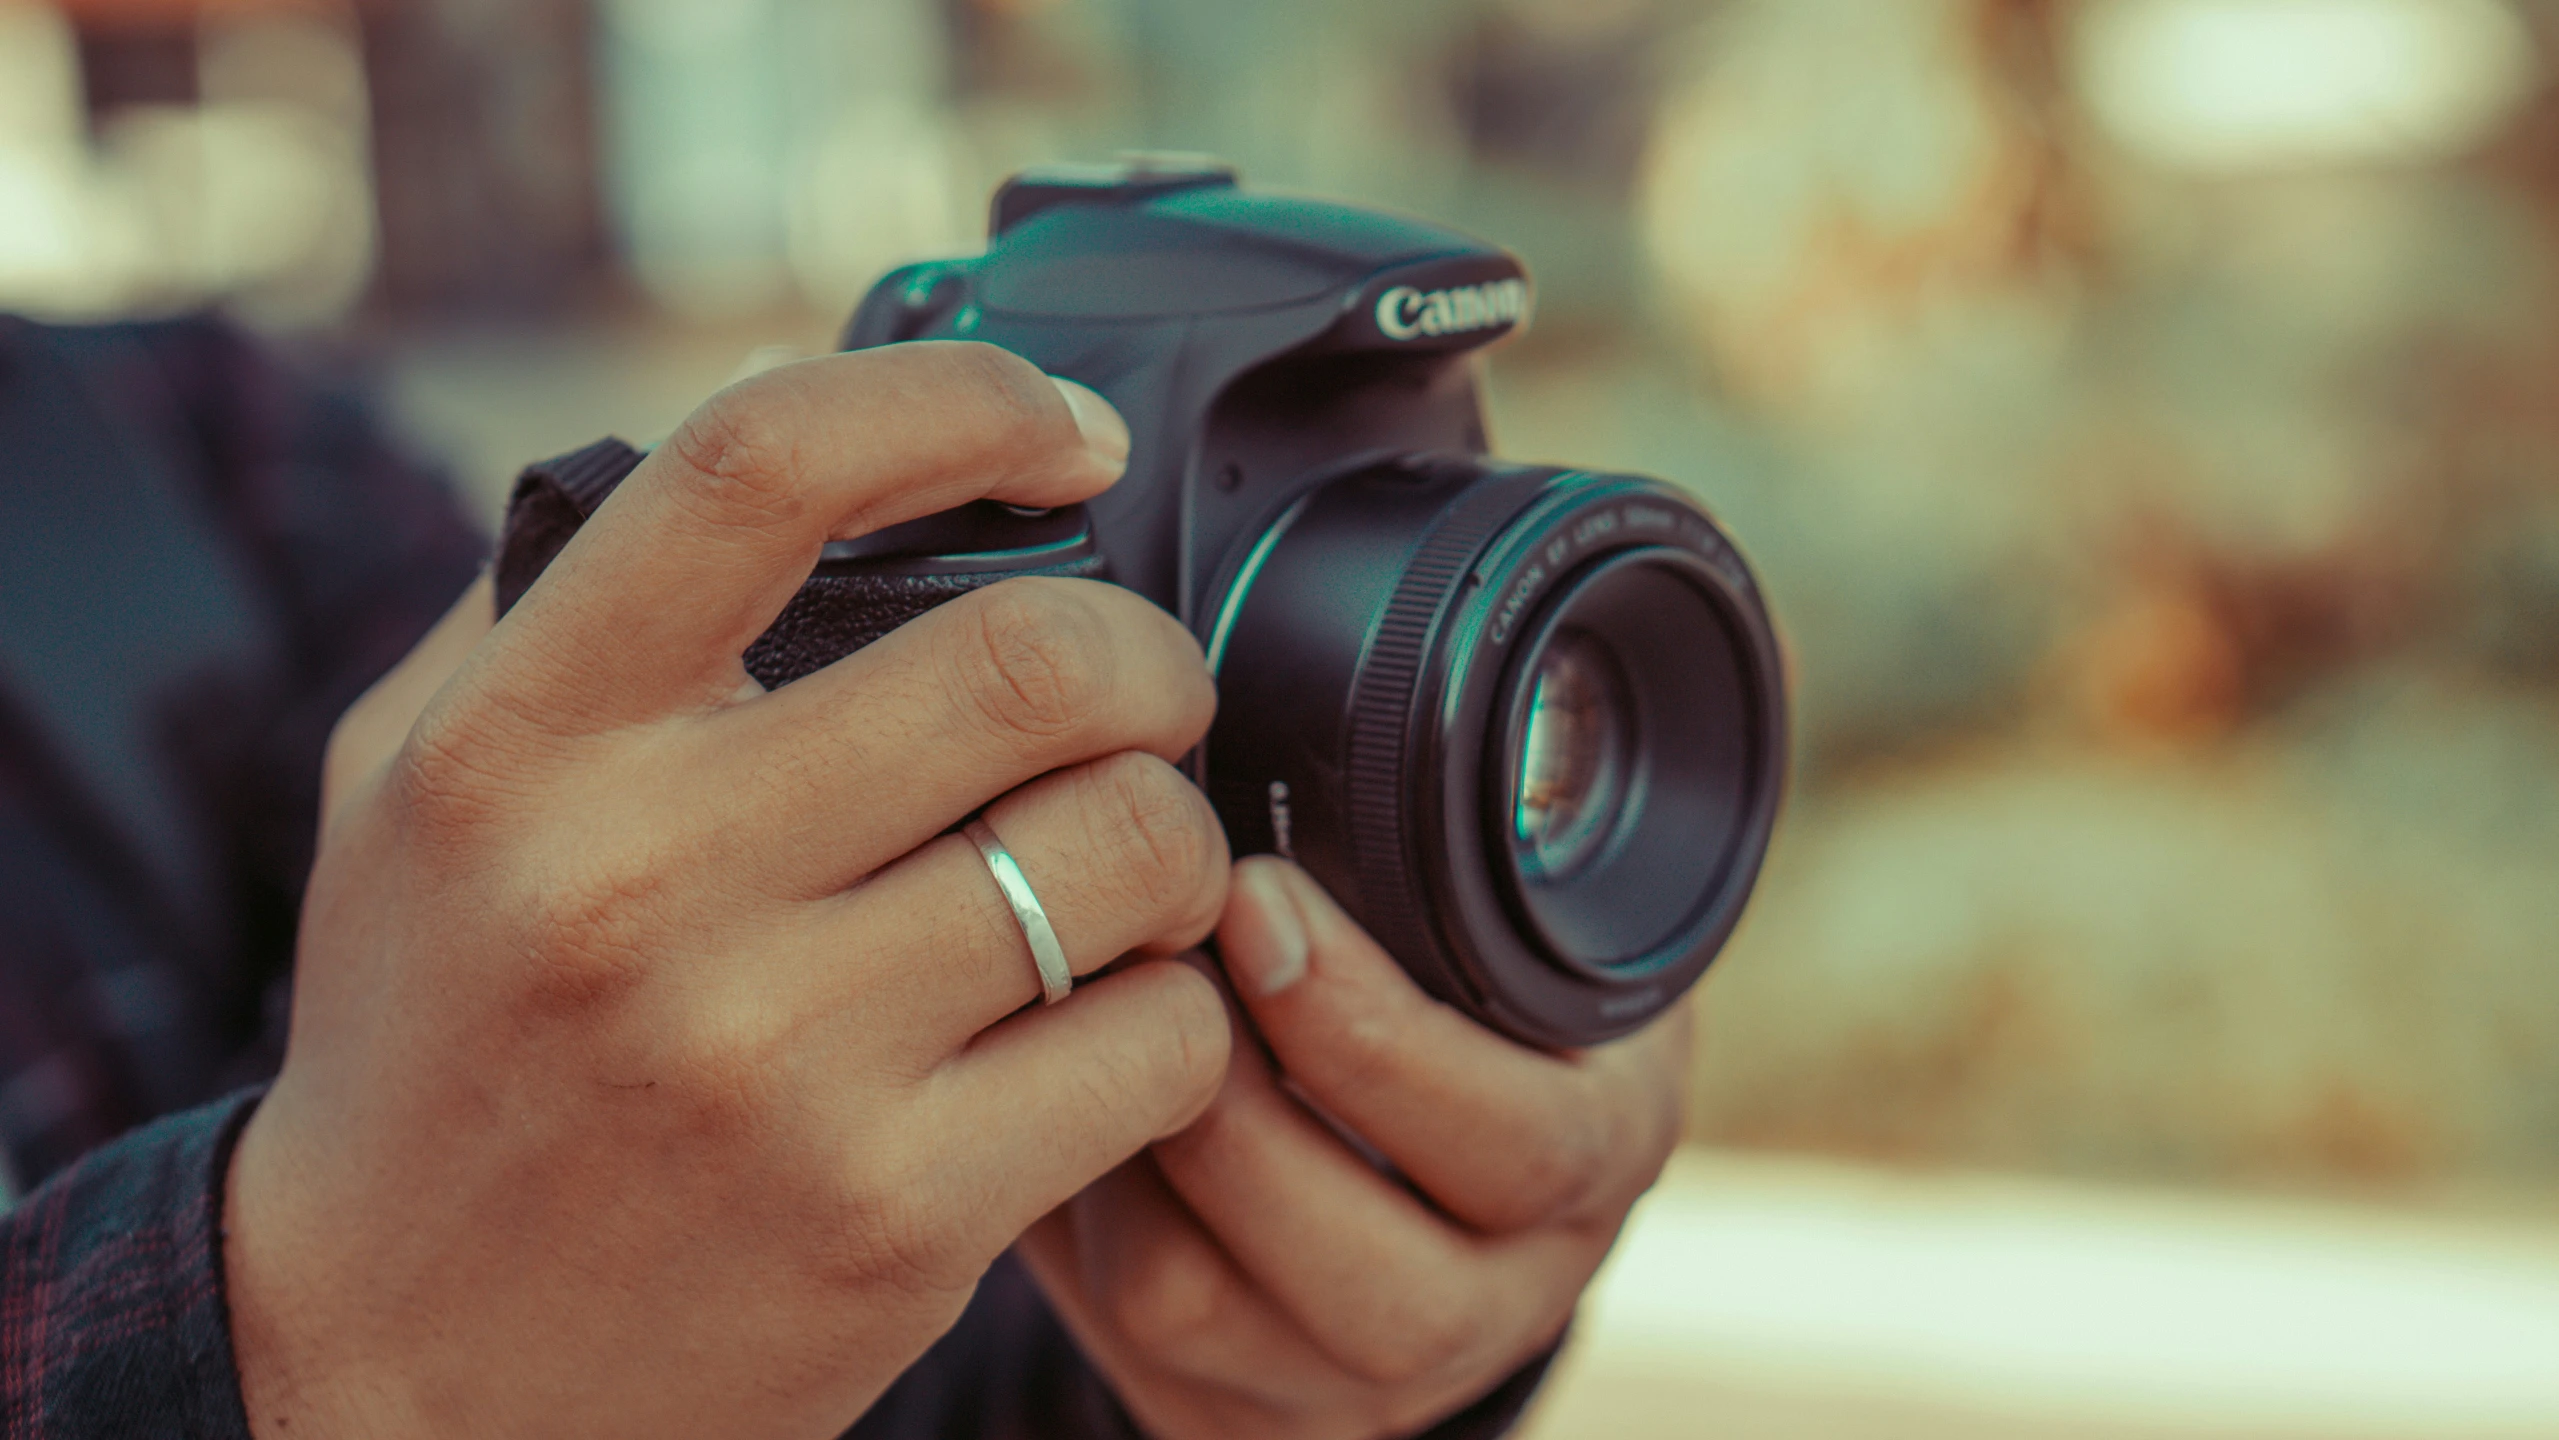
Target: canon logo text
{"x":1405,"y":313}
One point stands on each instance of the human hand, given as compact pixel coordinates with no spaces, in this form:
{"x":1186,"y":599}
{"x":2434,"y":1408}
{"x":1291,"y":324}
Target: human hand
{"x":1254,"y":1276}
{"x":655,"y":1069}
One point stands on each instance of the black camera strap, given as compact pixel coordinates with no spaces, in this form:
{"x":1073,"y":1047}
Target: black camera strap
{"x":551,"y":500}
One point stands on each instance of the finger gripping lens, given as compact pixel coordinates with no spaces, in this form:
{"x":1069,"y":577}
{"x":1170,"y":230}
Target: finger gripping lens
{"x":1526,"y":722}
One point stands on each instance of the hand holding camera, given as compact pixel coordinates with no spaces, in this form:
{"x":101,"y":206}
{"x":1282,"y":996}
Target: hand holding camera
{"x":663,"y":1063}
{"x":655,"y":1068}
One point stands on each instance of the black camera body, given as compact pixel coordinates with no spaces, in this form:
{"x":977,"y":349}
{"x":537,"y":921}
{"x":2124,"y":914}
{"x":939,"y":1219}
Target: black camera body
{"x":1526,"y":722}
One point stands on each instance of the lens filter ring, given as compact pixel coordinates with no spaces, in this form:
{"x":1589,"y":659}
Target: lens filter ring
{"x":1617,"y":779}
{"x":1628,"y":583}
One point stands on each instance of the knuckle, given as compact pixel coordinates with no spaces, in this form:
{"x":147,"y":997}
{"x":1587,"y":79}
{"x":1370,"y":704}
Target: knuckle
{"x":740,"y":449}
{"x":445,"y":780}
{"x":1656,"y":1132}
{"x":1426,"y":1336}
{"x":1018,"y":410}
{"x":723,"y":1082}
{"x":726,"y":1055}
{"x":1042,"y":664}
{"x":586,"y":939}
{"x":1660,"y":1115}
{"x":1553,"y":1175}
{"x":884,"y":1237}
{"x":1204,"y":1039}
{"x":1159,"y":834}
{"x":1167,"y":1298}
{"x":1368,"y":1050}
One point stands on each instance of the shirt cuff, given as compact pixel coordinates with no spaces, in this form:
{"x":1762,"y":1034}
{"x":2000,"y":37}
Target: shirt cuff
{"x":113,"y":1319}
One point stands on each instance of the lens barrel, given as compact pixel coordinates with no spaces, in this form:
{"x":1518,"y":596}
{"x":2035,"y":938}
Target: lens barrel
{"x":1527,"y":723}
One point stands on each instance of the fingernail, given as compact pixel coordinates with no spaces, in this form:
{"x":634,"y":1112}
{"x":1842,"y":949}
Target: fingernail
{"x":1278,"y":960}
{"x":1105,"y":433}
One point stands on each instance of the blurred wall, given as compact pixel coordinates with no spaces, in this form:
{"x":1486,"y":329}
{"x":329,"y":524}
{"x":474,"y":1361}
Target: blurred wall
{"x":486,"y":157}
{"x":2139,"y":409}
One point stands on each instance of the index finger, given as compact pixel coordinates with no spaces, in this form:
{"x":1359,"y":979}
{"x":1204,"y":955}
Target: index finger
{"x":649,"y":607}
{"x":373,"y":728}
{"x":1503,"y":1137}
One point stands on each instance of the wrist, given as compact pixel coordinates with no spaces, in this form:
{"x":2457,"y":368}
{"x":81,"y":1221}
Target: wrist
{"x":299,"y":1345}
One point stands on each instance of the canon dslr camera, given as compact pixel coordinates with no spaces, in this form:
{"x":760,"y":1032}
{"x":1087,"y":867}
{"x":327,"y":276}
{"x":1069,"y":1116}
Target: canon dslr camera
{"x":1524,"y":721}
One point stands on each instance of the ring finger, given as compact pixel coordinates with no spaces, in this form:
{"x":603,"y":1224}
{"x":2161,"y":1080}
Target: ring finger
{"x":1122,"y":853}
{"x":945,"y":713}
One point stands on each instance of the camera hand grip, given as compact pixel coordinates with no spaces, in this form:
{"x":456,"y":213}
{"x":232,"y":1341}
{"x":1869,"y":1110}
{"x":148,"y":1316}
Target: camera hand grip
{"x":861,"y":590}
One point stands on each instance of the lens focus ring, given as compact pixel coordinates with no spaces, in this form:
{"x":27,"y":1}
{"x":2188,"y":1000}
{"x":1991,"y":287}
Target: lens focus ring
{"x":1378,"y":771}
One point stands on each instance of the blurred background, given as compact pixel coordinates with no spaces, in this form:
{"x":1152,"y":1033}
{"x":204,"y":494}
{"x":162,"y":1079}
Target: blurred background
{"x":2139,"y":409}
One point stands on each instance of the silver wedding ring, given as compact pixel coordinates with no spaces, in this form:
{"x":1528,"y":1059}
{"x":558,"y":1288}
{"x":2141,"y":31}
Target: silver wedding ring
{"x":1055,"y":978}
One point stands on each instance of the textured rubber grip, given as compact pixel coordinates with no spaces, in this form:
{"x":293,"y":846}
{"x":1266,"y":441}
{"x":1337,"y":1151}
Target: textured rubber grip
{"x":835,"y":615}
{"x":832,"y":616}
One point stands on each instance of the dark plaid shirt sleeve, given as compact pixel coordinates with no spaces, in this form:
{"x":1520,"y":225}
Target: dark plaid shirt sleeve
{"x":112,"y":1318}
{"x":113,"y":1321}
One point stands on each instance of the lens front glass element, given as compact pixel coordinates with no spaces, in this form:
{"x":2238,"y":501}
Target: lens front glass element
{"x":1630,"y":737}
{"x":1575,"y":753}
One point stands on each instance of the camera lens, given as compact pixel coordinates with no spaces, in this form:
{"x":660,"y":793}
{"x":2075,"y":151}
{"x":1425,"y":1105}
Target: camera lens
{"x":1630,"y":715}
{"x":1570,"y":788}
{"x":1526,"y":723}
